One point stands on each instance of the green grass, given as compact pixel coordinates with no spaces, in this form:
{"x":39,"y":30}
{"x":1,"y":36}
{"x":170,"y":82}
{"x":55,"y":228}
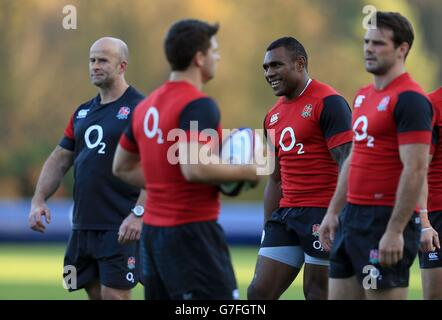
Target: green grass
{"x":34,"y":272}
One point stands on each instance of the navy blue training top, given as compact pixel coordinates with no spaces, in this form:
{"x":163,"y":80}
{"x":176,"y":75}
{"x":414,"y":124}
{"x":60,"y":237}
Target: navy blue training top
{"x":101,"y":200}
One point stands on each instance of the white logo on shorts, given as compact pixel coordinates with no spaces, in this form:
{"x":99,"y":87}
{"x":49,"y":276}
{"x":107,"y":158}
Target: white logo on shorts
{"x":432,"y":256}
{"x":262,"y":236}
{"x":130,"y":277}
{"x":317,"y":245}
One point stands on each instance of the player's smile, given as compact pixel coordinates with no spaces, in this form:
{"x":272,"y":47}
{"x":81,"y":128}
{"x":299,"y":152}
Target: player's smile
{"x":275,"y":84}
{"x":97,"y":75}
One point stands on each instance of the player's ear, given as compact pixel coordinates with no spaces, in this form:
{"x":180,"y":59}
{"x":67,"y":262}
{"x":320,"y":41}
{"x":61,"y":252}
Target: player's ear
{"x":300,"y":63}
{"x":123,"y":66}
{"x":403,"y":50}
{"x":199,"y":59}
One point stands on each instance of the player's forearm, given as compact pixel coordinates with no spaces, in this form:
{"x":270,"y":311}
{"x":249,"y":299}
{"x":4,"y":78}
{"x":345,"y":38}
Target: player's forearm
{"x":422,"y":204}
{"x":142,"y":198}
{"x":407,"y":196}
{"x":338,"y":200}
{"x":133,"y":176}
{"x":51,"y":176}
{"x":127,"y":167}
{"x":423,"y":201}
{"x":218,"y":173}
{"x":340,"y":154}
{"x":272,"y":197}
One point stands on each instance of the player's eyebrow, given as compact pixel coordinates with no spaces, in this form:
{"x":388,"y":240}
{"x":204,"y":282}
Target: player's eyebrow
{"x":374,"y":41}
{"x":272,"y":64}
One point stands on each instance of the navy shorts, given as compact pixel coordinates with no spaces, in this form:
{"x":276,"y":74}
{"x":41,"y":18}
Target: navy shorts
{"x":98,"y":256}
{"x":355,"y":248}
{"x":294,"y":227}
{"x":187,"y":262}
{"x":430,"y":260}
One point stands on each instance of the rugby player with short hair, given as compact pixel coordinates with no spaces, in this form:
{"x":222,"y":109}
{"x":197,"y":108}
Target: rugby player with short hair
{"x":185,"y":254}
{"x":312,"y":126}
{"x":376,"y":239}
{"x":431,"y":208}
{"x":101,"y":246}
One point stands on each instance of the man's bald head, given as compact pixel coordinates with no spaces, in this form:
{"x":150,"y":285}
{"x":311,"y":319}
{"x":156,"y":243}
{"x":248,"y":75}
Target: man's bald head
{"x":113,"y":46}
{"x":108,"y":59}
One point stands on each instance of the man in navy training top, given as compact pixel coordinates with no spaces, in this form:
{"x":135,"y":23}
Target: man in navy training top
{"x":102,"y":247}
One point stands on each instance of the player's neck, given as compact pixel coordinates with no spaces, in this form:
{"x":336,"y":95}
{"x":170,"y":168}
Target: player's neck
{"x":300,"y":89}
{"x":191,"y":75}
{"x":114,"y":92}
{"x":382,"y":81}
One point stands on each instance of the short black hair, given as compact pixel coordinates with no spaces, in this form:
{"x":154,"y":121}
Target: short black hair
{"x":401,"y":27}
{"x":184,"y":39}
{"x":293,"y":46}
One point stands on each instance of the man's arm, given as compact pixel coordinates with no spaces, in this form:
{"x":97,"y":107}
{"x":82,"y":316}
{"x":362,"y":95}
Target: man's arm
{"x":130,"y":229}
{"x":272,"y":192}
{"x":337,"y":203}
{"x":429,"y":237}
{"x":52,"y":173}
{"x":340,"y":153}
{"x":414,"y":158}
{"x":212,"y":171}
{"x":127,"y":167}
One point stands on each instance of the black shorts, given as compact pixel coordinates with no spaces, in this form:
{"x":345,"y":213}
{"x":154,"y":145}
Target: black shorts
{"x":294,"y":227}
{"x":355,"y":247}
{"x":98,"y":256}
{"x":186,"y":262}
{"x":430,"y":260}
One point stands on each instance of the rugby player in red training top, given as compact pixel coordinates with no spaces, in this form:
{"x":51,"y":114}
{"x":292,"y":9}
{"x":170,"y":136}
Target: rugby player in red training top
{"x":101,"y":246}
{"x":312,"y":125}
{"x":376,"y":239}
{"x":430,"y":212}
{"x":185,"y":255}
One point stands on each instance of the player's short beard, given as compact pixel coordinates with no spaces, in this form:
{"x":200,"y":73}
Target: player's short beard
{"x":104,"y":84}
{"x":379,"y":70}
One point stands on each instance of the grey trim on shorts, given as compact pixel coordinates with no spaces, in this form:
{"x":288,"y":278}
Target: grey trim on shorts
{"x":316,"y":261}
{"x":291,"y":255}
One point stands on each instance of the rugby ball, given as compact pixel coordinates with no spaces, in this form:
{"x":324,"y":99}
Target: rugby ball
{"x":237,"y":148}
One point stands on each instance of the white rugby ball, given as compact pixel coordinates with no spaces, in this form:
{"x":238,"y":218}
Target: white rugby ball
{"x":238,"y":148}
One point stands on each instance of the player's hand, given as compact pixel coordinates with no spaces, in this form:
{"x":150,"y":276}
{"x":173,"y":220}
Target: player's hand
{"x":327,"y":230}
{"x":391,"y":248}
{"x":39,"y":209}
{"x":130,"y":229}
{"x":429,"y":240}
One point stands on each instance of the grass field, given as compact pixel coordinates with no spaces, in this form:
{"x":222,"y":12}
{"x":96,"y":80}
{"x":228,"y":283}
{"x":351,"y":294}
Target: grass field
{"x":30,"y":271}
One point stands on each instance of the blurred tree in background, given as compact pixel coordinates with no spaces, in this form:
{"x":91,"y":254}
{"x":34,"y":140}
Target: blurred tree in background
{"x":45,"y":67}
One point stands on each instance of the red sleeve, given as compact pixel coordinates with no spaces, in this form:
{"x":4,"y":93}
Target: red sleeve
{"x":68,"y":140}
{"x":411,"y":137}
{"x":270,"y":138}
{"x":339,"y":139}
{"x":128,"y":141}
{"x":128,"y":145}
{"x":69,"y":130}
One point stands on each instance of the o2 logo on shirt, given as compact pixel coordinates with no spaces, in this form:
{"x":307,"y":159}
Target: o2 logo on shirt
{"x":97,"y":143}
{"x":152,"y":130}
{"x":360,"y":128}
{"x":293,"y":143}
